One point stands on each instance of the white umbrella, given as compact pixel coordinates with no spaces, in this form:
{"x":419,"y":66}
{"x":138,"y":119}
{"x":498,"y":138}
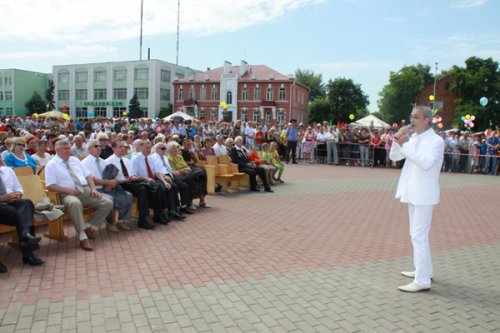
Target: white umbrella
{"x":178,"y":116}
{"x":371,"y":120}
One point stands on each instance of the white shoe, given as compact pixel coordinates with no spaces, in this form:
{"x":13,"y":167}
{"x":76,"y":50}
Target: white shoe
{"x":193,"y":207}
{"x":413,"y":288}
{"x":408,"y":274}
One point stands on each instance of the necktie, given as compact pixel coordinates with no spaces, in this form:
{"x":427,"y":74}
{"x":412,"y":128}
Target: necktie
{"x":169,"y":171}
{"x":150,"y":173}
{"x":124,"y":168}
{"x":78,"y":184}
{"x":98,"y":166}
{"x":2,"y":187}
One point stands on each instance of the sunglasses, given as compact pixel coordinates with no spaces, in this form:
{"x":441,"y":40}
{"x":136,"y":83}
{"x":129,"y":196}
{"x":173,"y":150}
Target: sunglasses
{"x":20,"y":144}
{"x":163,"y":148}
{"x":96,"y":146}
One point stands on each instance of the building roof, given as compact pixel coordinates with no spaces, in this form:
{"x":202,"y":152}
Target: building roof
{"x":254,"y":73}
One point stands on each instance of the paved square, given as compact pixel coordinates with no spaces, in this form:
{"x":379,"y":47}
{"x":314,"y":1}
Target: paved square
{"x":321,"y":254}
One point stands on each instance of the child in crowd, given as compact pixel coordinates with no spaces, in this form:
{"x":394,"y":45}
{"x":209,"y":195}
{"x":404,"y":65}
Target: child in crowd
{"x":475,"y":152}
{"x":254,"y":157}
{"x":275,"y":160}
{"x":455,"y":159}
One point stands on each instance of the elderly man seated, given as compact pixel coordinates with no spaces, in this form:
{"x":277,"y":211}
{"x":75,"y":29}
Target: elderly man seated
{"x":17,"y":212}
{"x":239,"y":155}
{"x":66,"y":175}
{"x":109,"y":188}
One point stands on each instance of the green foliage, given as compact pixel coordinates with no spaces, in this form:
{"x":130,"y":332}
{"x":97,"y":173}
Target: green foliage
{"x":313,"y":81}
{"x":49,"y":95}
{"x":36,"y":104}
{"x":479,"y":78}
{"x":345,"y":98}
{"x":134,"y":108}
{"x":319,"y":110}
{"x":165,"y":111}
{"x":397,"y":98}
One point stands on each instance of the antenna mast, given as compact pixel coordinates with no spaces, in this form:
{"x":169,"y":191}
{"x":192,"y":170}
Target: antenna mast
{"x":140,"y":39}
{"x":178,"y":23}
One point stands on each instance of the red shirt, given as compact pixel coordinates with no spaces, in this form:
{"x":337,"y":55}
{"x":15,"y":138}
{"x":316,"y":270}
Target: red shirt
{"x":255,"y":158}
{"x":259,"y":138}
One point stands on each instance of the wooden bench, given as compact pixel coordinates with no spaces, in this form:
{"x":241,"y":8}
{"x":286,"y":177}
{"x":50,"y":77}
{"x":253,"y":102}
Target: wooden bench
{"x":33,"y":190}
{"x":220,"y":174}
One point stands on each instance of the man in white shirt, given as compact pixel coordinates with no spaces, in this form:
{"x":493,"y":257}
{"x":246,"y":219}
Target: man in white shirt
{"x":219,"y":147}
{"x":131,"y":183}
{"x":168,"y":174}
{"x":109,"y":188}
{"x":419,"y":187}
{"x":66,"y":175}
{"x":331,"y":147}
{"x":79,"y":148}
{"x":17,"y":212}
{"x":250,"y":135}
{"x":144,"y":166}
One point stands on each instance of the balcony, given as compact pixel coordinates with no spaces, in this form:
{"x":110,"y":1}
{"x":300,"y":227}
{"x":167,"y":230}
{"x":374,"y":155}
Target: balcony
{"x":268,"y":103}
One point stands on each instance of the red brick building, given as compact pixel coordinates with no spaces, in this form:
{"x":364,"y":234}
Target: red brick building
{"x":444,"y":100}
{"x":251,"y":92}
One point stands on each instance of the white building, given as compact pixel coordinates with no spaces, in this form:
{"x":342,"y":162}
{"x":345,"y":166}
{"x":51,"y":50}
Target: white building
{"x":105,"y":89}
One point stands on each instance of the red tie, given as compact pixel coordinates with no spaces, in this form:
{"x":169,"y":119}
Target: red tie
{"x":150,"y":173}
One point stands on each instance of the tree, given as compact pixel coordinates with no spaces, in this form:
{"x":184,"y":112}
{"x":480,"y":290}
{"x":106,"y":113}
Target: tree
{"x":49,"y":95}
{"x":36,"y":104}
{"x":346,"y":98}
{"x":480,"y":78}
{"x":398,"y":97}
{"x":319,"y":110}
{"x":313,"y":81}
{"x":134,"y":108}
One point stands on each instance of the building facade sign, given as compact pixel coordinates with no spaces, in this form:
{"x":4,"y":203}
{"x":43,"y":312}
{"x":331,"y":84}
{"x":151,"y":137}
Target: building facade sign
{"x":103,"y":103}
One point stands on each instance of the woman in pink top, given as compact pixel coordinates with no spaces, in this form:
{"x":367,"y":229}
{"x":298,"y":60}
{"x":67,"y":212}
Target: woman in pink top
{"x":389,"y":138}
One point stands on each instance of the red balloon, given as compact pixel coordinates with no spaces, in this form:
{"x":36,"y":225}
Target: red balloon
{"x":64,"y":107}
{"x":395,"y":125}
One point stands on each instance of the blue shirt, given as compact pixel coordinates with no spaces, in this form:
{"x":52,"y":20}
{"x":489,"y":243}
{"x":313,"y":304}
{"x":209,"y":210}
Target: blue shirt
{"x":492,"y":141}
{"x":292,"y":134}
{"x":12,"y":161}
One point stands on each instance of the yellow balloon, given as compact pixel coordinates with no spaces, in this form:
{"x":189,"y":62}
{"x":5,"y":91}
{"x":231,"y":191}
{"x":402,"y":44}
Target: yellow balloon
{"x":35,"y":115}
{"x":431,"y":97}
{"x":124,"y":114}
{"x":224,"y":105}
{"x":66,"y":117}
{"x":351,"y":116}
{"x":440,"y":125}
{"x":467,"y":116}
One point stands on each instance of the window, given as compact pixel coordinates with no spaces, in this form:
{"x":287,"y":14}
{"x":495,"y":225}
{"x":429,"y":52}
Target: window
{"x":63,"y":95}
{"x":282,"y":94}
{"x":244,"y":114}
{"x":214,"y":94}
{"x":269,"y":117}
{"x":9,"y":112}
{"x":81,"y":112}
{"x":100,"y":76}
{"x":244,"y":94}
{"x":179,"y":75}
{"x":256,"y":94}
{"x":202,"y":113}
{"x":1,"y":95}
{"x":256,"y":115}
{"x":118,"y":112}
{"x":142,"y":93}
{"x":81,"y":94}
{"x":81,"y":77}
{"x":164,"y":94}
{"x":63,"y":77}
{"x":8,"y":80}
{"x":213,"y":114}
{"x":181,"y":94}
{"x":8,"y":95}
{"x":165,"y":75}
{"x":1,"y":112}
{"x":203,"y":93}
{"x":281,"y":116}
{"x":1,"y":82}
{"x":191,"y":93}
{"x":100,"y":112}
{"x":144,"y":112}
{"x":100,"y":94}
{"x":229,"y":97}
{"x":119,"y":93}
{"x":269,"y":94}
{"x":119,"y":75}
{"x":141,"y":74}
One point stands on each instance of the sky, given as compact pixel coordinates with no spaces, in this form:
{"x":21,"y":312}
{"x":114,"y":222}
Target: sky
{"x":363,"y":40}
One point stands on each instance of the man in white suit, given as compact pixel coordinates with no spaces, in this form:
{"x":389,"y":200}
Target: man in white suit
{"x":419,"y":187}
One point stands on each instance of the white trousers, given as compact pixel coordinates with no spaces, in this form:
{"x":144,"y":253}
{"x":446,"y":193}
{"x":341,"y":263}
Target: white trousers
{"x":420,"y":225}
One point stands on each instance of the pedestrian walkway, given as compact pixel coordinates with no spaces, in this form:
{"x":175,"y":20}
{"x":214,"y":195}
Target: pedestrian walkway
{"x":321,"y":254}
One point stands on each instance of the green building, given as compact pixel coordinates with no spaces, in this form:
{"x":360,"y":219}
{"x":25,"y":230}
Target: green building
{"x":17,"y":87}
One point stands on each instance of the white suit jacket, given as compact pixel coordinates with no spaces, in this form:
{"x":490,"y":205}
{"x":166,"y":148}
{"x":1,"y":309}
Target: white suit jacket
{"x":419,"y":180}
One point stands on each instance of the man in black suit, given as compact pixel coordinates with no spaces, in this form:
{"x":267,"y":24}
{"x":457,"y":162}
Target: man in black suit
{"x":239,"y":155}
{"x":18,"y":212}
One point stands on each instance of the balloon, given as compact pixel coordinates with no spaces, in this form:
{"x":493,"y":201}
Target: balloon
{"x":395,"y":125}
{"x":224,"y":105}
{"x":431,"y":97}
{"x":467,"y":116}
{"x":91,"y":114}
{"x":124,"y":114}
{"x":351,"y":116}
{"x":434,"y":111}
{"x":472,"y":117}
{"x":463,"y":118}
{"x":35,"y":115}
{"x":66,"y":116}
{"x":440,"y":125}
{"x":483,"y":101}
{"x":471,"y":124}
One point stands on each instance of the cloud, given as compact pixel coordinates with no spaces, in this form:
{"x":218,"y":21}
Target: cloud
{"x":466,"y":4}
{"x":97,"y":20}
{"x":82,"y":50}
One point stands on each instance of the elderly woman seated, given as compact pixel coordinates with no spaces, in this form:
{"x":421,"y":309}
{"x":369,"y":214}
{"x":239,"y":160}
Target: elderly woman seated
{"x":18,"y":158}
{"x":196,"y":177}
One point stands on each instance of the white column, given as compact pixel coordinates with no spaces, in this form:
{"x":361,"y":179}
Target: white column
{"x":274,"y":112}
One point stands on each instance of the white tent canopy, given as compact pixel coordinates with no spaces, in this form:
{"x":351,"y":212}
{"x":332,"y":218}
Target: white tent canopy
{"x":180,"y":114}
{"x":370,"y":120}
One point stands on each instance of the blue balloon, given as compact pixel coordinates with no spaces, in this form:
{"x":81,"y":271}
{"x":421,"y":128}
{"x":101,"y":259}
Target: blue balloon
{"x":463,"y":118}
{"x":483,"y":101}
{"x":91,"y":114}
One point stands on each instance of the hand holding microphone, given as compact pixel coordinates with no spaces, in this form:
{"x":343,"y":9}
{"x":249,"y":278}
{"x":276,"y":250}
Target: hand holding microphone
{"x":403,"y":134}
